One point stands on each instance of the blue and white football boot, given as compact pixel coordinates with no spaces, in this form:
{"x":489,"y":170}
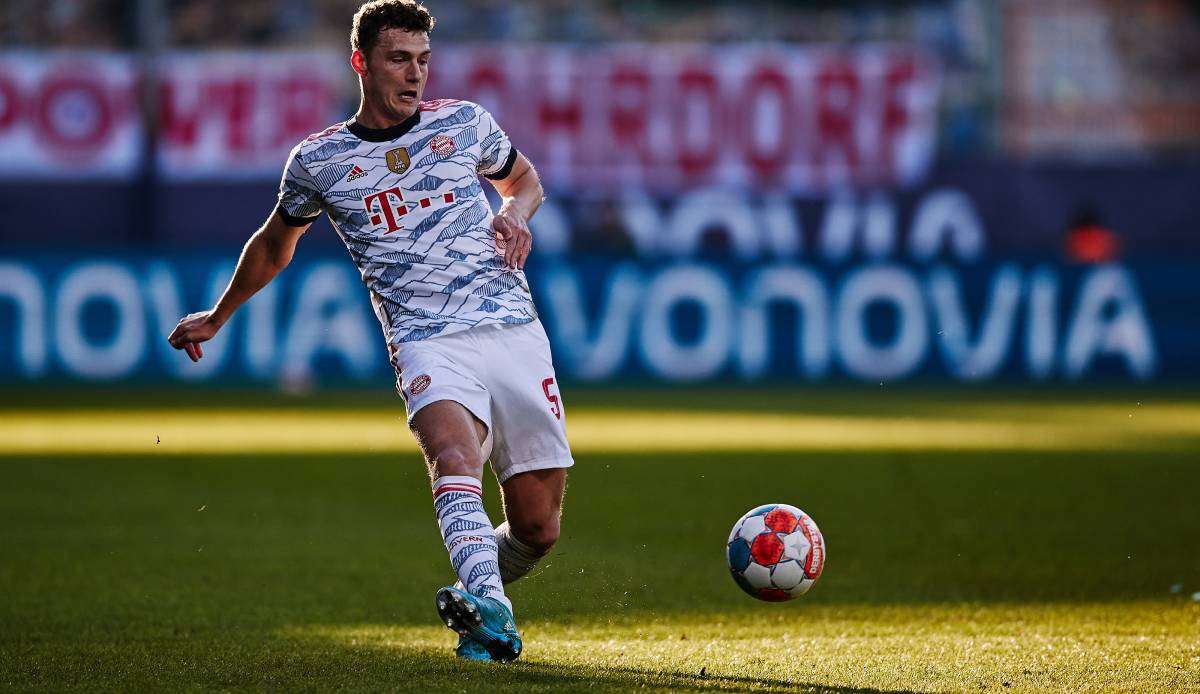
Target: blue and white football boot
{"x":484,"y":621}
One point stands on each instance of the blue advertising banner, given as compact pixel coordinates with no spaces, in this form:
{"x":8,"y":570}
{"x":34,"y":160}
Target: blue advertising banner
{"x":105,"y":319}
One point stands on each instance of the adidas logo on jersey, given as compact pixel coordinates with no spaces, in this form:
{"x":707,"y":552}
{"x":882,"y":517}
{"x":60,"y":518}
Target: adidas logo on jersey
{"x":356,"y":173}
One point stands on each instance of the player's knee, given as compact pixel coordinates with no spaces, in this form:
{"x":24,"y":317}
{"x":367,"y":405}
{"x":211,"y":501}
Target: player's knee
{"x":455,"y":459}
{"x":539,"y":534}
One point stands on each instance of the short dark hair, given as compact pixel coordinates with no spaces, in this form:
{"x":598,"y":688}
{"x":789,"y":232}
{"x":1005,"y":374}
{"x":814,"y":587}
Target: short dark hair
{"x":379,"y":15}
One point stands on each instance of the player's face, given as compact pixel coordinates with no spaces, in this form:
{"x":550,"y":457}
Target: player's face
{"x":396,"y":71}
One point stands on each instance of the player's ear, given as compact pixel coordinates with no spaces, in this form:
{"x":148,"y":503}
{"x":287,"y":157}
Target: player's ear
{"x":358,"y":61}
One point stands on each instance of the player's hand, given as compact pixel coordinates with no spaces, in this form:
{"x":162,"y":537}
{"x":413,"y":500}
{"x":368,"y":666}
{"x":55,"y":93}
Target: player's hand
{"x":513,"y":236}
{"x":193,"y":329}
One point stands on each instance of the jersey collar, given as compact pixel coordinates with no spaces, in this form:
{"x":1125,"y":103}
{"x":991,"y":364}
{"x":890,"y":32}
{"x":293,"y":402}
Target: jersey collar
{"x":385,"y":134}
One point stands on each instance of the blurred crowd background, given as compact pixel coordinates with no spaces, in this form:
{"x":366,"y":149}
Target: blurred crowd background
{"x":1134,"y":64}
{"x":1046,"y":153}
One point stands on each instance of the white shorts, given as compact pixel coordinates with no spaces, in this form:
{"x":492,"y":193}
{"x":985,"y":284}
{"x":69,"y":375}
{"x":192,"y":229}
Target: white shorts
{"x":503,"y":375}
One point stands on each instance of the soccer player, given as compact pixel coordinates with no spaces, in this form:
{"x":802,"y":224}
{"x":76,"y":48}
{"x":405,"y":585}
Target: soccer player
{"x":399,"y":182}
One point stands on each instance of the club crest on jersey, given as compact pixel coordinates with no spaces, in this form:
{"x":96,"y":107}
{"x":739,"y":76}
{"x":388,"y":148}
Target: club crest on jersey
{"x":397,"y":159}
{"x":442,"y":145}
{"x":419,"y":384}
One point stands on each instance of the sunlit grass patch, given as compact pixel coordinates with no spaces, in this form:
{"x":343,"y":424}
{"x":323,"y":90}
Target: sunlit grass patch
{"x":1096,"y":647}
{"x":922,"y":424}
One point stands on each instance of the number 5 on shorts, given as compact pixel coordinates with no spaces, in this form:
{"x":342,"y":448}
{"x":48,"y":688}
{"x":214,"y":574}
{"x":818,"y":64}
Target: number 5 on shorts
{"x":551,"y":397}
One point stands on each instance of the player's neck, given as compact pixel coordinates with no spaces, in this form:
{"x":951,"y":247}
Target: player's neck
{"x":376,"y":119}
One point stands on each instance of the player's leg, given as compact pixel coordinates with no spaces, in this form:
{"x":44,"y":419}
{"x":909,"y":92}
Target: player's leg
{"x":532,"y":508}
{"x":449,"y":411}
{"x":531,"y":452}
{"x":451,"y":439}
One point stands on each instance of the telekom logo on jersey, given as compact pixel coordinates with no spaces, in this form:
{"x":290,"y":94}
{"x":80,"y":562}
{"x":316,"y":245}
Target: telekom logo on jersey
{"x":389,"y":205}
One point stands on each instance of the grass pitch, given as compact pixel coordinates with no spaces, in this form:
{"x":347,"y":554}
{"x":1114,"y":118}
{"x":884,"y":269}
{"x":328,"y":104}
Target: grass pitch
{"x":977,"y":541}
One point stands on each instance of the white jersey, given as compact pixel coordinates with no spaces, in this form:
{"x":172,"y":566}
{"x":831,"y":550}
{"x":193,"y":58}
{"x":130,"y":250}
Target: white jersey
{"x":408,"y":203}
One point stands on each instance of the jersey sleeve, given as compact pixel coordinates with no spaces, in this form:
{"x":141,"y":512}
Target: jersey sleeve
{"x":299,"y":195}
{"x":497,"y":154}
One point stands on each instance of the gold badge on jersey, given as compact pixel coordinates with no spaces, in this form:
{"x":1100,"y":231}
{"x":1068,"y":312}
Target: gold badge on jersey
{"x":397,"y":159}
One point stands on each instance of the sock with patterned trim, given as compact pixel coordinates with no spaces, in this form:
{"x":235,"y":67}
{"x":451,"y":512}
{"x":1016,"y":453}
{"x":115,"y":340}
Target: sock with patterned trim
{"x":468,"y":534}
{"x":516,"y":558}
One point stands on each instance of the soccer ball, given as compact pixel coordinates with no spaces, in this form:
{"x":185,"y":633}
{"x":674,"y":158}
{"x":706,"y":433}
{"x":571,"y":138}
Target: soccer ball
{"x":775,"y":552}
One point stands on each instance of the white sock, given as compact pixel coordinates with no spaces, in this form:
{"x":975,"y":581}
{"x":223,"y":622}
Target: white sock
{"x":516,"y":558}
{"x":468,"y":534}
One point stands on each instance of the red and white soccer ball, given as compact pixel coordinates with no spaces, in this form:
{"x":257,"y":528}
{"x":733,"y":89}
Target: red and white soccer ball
{"x":776,"y":552}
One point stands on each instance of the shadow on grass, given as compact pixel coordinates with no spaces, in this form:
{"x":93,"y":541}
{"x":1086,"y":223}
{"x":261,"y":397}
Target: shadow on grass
{"x":262,"y":541}
{"x":426,"y":666}
{"x":257,"y":662}
{"x":623,"y":678}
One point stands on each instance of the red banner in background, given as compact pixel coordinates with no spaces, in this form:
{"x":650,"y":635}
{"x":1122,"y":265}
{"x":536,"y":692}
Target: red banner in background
{"x":237,"y":115}
{"x":68,"y":115}
{"x":221,"y":115}
{"x":655,"y":117}
{"x":663,"y":117}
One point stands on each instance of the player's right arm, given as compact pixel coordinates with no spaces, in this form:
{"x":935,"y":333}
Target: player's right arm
{"x":265,"y":255}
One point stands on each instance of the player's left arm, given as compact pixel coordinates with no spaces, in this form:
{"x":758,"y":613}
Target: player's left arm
{"x":522,"y":194}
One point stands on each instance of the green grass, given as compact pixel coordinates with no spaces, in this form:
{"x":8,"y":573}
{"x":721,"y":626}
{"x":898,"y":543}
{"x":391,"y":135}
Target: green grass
{"x":1059,"y":554}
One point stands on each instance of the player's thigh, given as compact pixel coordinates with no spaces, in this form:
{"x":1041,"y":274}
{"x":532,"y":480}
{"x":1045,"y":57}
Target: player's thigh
{"x":529,"y":428}
{"x":533,"y":503}
{"x":450,"y":438}
{"x":449,"y":409}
